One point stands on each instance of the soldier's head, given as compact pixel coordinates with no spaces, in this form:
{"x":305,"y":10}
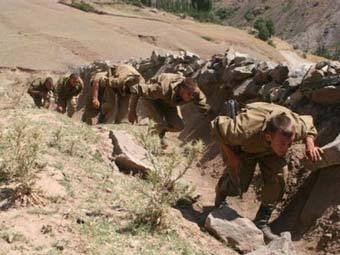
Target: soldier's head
{"x":187,"y":89}
{"x":74,"y":79}
{"x":49,"y":83}
{"x":280,"y":133}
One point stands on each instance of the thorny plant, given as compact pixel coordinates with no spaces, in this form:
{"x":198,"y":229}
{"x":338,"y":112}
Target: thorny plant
{"x":19,"y":153}
{"x":165,"y":179}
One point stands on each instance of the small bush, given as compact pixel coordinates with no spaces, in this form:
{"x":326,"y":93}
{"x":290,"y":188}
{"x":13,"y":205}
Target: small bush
{"x":224,"y":13}
{"x":249,"y":15}
{"x":266,"y":28}
{"x":20,"y":149}
{"x":165,"y":180}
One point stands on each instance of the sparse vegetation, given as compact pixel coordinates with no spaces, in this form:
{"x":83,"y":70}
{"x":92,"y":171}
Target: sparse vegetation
{"x":19,"y":153}
{"x":333,"y":53}
{"x":287,"y":6}
{"x":165,"y":180}
{"x":83,"y":6}
{"x":249,"y":15}
{"x":225,"y":13}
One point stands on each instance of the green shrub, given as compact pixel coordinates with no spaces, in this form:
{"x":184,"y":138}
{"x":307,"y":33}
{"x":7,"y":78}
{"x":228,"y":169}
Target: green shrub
{"x":266,"y":28}
{"x":20,"y":148}
{"x":271,"y":27}
{"x":19,"y":154}
{"x":224,"y":13}
{"x":249,"y":15}
{"x":165,"y":180}
{"x":83,"y":6}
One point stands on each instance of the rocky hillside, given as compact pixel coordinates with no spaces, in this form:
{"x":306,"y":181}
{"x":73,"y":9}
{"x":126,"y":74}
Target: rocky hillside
{"x":306,"y":24}
{"x":78,"y":160}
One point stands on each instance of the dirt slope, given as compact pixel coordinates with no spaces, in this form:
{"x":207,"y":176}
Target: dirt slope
{"x":46,"y":35}
{"x":306,"y":24}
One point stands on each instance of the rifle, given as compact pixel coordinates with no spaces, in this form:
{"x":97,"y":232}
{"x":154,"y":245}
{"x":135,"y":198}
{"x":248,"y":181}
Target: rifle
{"x":232,"y":108}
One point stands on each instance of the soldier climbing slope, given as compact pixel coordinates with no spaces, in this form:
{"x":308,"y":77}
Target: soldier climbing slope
{"x":261,"y":134}
{"x":68,"y":90}
{"x":110,"y":94}
{"x":42,"y":91}
{"x":162,"y":97}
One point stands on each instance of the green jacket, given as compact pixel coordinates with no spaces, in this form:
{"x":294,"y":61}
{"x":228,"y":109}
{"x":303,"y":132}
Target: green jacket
{"x":247,"y":130}
{"x":165,"y":88}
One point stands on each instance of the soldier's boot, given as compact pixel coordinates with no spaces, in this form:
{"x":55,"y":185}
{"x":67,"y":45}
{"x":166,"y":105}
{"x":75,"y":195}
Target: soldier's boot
{"x":163,"y":141}
{"x":261,"y":221}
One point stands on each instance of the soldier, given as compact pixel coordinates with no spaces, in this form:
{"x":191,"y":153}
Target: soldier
{"x":68,"y":90}
{"x":261,"y":134}
{"x":110,"y":89}
{"x":162,"y":97}
{"x":42,"y":91}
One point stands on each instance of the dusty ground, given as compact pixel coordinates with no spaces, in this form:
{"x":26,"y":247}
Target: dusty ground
{"x":89,"y":205}
{"x":46,"y":35}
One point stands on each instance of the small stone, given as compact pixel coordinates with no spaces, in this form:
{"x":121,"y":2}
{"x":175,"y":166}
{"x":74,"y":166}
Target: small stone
{"x":280,"y":246}
{"x":80,"y":221}
{"x":46,"y":229}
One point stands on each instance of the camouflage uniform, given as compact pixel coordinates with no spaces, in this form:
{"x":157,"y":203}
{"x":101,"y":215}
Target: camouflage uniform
{"x":68,"y":95}
{"x":41,"y":95}
{"x":162,"y":100}
{"x":113,"y":94}
{"x":246,"y":134}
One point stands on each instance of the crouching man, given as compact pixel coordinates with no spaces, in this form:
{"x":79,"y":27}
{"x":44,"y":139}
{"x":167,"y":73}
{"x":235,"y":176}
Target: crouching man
{"x":162,"y":97}
{"x":68,"y":90}
{"x":261,"y":134}
{"x":110,"y":94}
{"x":42,"y":91}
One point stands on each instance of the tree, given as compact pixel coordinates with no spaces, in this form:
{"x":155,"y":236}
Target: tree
{"x":266,"y":28}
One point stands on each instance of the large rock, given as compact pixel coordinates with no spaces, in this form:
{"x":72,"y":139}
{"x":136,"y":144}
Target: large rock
{"x":330,"y":157}
{"x":327,"y":95}
{"x":279,"y":74}
{"x":262,"y":73}
{"x":237,"y":231}
{"x":128,"y":154}
{"x":281,"y":246}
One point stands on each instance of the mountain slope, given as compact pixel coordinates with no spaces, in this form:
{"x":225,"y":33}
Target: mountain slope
{"x":306,"y":24}
{"x":46,"y":35}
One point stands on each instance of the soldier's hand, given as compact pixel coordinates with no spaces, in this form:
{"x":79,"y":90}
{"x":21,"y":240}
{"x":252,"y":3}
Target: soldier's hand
{"x":133,"y":117}
{"x":314,"y":153}
{"x":95,"y":103}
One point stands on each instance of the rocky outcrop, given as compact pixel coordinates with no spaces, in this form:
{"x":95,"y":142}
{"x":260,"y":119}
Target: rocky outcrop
{"x":128,"y":154}
{"x":238,"y":232}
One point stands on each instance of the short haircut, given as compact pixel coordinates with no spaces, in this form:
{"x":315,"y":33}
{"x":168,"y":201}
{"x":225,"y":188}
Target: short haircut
{"x":74,"y":76}
{"x":49,"y":80}
{"x":281,"y":123}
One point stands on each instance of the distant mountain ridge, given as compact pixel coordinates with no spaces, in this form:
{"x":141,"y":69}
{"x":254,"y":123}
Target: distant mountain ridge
{"x":307,"y":24}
